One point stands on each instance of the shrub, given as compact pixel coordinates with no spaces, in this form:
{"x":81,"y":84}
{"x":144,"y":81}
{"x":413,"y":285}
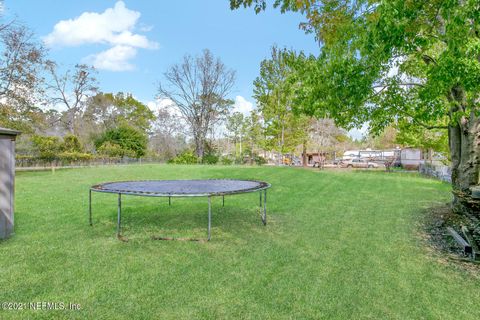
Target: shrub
{"x":24,"y":157}
{"x":187,"y":157}
{"x":74,"y":156}
{"x":259,"y":160}
{"x":124,"y":140}
{"x":210,"y":159}
{"x":71,"y":144}
{"x":227,"y":161}
{"x":47,"y":147}
{"x":114,"y":150}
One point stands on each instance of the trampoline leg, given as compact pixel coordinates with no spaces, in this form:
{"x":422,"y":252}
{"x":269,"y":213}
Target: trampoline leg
{"x":209,"y":216}
{"x":90,"y":207}
{"x":169,"y":201}
{"x":119,"y":216}
{"x":223,"y":201}
{"x":264,"y":218}
{"x":260,"y":205}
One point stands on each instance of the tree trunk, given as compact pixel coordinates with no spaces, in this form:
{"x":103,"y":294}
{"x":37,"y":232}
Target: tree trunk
{"x":241,"y":156}
{"x":251,"y":153}
{"x":199,"y":145}
{"x":430,"y":156}
{"x":464,"y":141}
{"x":71,"y":122}
{"x":304,"y":153}
{"x":236,"y":151}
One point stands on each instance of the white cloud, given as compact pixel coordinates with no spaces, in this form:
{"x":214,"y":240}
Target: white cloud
{"x":114,"y":59}
{"x":152,"y":105}
{"x":166,"y":103}
{"x":242,"y":105}
{"x":162,"y":104}
{"x":113,"y":27}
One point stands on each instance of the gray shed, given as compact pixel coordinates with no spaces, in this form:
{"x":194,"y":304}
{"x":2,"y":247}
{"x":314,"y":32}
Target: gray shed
{"x":7,"y":180}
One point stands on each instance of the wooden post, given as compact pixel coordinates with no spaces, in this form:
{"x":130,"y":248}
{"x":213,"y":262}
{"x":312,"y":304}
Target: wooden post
{"x":467,"y":248}
{"x":304,"y":153}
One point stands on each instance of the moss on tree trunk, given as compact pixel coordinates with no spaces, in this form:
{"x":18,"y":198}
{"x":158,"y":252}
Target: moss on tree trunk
{"x":464,"y":140}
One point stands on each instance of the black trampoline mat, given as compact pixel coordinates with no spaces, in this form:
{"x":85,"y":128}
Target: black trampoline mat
{"x":185,"y":188}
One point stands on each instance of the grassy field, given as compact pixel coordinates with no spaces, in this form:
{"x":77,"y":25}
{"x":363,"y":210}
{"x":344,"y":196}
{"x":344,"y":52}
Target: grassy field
{"x":338,"y":245}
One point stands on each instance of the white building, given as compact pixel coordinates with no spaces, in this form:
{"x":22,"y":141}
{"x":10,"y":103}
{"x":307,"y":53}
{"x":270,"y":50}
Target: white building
{"x":411,"y":158}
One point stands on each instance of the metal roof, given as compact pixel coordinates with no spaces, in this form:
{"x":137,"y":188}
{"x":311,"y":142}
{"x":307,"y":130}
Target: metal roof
{"x":9,"y":132}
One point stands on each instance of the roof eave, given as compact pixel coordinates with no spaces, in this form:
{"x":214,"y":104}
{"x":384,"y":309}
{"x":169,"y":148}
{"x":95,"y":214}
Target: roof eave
{"x":9,"y":132}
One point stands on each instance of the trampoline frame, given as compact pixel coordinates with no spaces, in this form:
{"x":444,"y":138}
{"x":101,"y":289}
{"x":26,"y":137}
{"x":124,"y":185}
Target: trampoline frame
{"x":98,"y":188}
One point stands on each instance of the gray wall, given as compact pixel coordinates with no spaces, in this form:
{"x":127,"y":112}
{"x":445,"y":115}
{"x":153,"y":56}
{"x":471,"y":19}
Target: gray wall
{"x":7,"y":176}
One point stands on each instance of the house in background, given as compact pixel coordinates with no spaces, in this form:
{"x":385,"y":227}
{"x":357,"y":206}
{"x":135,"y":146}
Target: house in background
{"x":351,"y":154}
{"x":372,"y":155}
{"x":315,"y":158}
{"x":411,"y":158}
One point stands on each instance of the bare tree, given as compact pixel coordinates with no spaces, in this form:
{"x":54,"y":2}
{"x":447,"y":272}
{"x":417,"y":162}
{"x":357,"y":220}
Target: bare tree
{"x":168,"y":122}
{"x":168,"y":138}
{"x":199,"y":88}
{"x":21,"y":64}
{"x":237,"y":128}
{"x":71,"y":90}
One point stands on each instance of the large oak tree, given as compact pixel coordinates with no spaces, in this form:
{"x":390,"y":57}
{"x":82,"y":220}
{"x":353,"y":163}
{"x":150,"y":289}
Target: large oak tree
{"x":418,"y":61}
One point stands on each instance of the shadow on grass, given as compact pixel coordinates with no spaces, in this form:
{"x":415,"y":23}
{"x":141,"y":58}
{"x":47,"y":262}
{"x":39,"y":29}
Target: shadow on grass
{"x":184,"y":219}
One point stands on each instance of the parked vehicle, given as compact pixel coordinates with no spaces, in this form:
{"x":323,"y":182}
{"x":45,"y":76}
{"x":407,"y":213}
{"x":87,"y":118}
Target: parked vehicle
{"x":350,"y":154}
{"x":337,"y":161}
{"x":287,"y":161}
{"x":317,"y":164}
{"x":358,"y":163}
{"x":296,"y":161}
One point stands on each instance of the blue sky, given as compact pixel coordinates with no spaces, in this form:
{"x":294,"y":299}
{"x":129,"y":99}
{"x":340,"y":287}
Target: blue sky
{"x":133,"y":42}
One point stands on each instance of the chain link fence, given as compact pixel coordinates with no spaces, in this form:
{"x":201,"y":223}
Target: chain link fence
{"x":32,"y":163}
{"x":440,"y":172}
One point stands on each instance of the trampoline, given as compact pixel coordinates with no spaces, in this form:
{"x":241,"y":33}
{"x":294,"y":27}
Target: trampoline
{"x":182,"y":188}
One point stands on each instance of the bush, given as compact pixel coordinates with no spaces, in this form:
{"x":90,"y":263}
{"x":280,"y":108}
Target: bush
{"x":210,"y":159}
{"x":186,"y":157}
{"x":74,"y":156}
{"x":124,"y":141}
{"x":22,"y":157}
{"x":47,"y":147}
{"x":71,"y":144}
{"x":259,"y":160}
{"x":227,"y":161}
{"x":113,"y":150}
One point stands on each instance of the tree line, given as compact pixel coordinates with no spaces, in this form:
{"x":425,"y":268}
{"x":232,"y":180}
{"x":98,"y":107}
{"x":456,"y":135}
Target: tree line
{"x":47,"y":104}
{"x":61,"y":107}
{"x":65,"y":116}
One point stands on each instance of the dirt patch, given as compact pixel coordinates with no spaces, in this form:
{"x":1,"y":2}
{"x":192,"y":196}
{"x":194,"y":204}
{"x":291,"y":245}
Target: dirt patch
{"x":434,"y":232}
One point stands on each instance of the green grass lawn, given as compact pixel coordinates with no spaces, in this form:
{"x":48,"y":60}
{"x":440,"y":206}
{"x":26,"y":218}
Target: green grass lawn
{"x":338,"y":245}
